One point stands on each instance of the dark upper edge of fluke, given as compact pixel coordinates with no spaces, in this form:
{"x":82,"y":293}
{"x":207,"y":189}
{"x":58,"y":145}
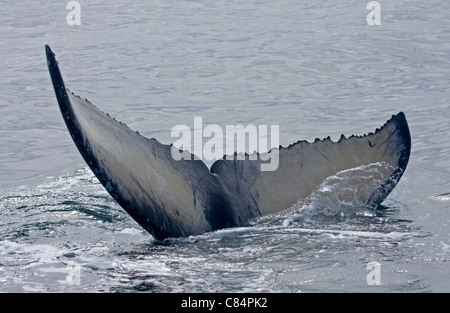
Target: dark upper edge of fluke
{"x":59,"y":87}
{"x":83,"y":145}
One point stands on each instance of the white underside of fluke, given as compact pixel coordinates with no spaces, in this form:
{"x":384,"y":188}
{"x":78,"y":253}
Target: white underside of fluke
{"x":173,"y":198}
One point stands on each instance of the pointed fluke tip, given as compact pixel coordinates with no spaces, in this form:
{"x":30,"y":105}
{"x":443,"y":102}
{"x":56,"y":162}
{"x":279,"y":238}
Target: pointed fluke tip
{"x":51,"y":59}
{"x":48,"y":50}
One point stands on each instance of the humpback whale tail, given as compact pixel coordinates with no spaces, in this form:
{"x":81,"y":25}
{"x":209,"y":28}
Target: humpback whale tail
{"x":173,"y":198}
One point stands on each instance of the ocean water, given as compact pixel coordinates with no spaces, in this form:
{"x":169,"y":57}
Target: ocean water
{"x":314,"y":69}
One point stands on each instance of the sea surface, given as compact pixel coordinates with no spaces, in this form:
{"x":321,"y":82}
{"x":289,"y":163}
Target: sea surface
{"x":316,"y":69}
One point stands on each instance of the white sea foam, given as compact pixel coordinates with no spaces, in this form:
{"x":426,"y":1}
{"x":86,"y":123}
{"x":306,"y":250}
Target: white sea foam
{"x":29,"y":255}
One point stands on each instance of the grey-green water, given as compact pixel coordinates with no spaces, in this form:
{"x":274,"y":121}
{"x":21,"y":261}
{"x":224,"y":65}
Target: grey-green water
{"x":315,"y":69}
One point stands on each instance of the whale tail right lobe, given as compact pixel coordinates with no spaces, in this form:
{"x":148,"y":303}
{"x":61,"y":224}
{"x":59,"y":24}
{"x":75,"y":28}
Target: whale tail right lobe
{"x":303,"y":166}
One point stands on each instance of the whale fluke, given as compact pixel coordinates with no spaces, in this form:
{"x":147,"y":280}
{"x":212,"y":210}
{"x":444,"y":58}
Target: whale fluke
{"x":171,"y":198}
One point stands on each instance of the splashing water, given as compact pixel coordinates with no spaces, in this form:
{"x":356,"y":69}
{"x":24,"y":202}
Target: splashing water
{"x":69,"y":225}
{"x":350,"y":189}
{"x":343,"y":195}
